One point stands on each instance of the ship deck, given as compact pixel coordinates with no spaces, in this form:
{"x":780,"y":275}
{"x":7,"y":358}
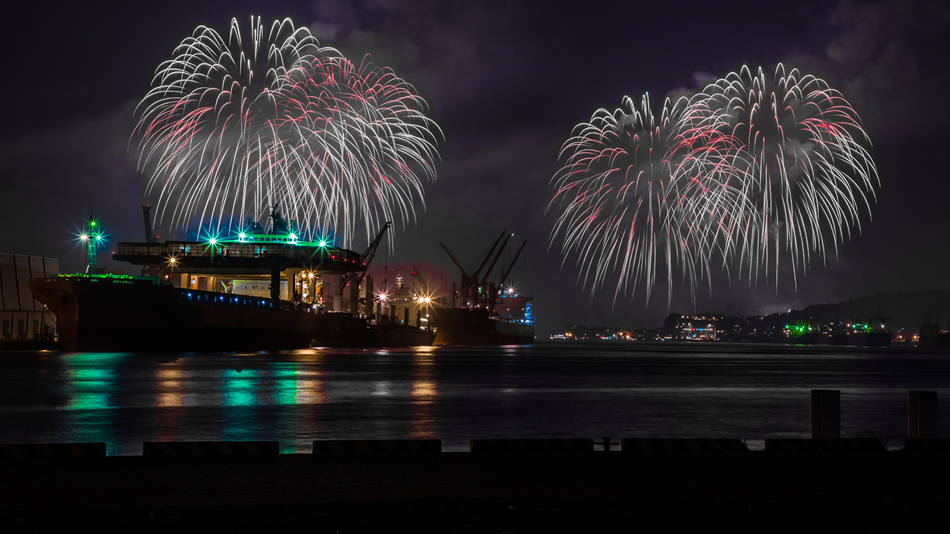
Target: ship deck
{"x":238,"y":258}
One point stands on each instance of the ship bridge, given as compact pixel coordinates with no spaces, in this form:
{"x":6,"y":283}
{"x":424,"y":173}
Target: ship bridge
{"x":239,"y":257}
{"x":254,"y":264}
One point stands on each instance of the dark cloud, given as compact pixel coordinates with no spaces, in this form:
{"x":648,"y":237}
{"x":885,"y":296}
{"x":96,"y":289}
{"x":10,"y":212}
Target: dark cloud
{"x":888,"y":59}
{"x":53,"y":179}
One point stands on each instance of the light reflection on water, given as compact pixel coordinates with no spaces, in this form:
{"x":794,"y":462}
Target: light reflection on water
{"x":423,"y":393}
{"x":452,"y":394}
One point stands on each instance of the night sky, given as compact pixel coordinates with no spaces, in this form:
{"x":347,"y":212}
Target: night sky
{"x":506,"y":82}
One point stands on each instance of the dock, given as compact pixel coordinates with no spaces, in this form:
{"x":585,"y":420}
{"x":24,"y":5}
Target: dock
{"x":480,"y":492}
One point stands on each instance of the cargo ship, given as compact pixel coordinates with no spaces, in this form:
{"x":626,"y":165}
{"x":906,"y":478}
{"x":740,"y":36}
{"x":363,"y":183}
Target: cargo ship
{"x":477,"y":326}
{"x":352,"y":331}
{"x":802,"y":333}
{"x":192,"y":305}
{"x":860,"y":333}
{"x":481,"y":313}
{"x":123,"y":313}
{"x":109,"y":312}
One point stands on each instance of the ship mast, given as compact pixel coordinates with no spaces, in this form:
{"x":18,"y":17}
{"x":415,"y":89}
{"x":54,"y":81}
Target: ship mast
{"x":91,"y":237}
{"x":501,"y":283}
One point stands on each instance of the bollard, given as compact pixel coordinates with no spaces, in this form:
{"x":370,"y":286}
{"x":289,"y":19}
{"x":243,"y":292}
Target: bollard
{"x":826,"y":414}
{"x":921,"y":414}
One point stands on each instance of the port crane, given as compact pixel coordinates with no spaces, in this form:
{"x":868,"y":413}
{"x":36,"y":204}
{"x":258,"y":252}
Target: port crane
{"x":356,"y":277}
{"x":504,"y":276}
{"x":467,"y":290}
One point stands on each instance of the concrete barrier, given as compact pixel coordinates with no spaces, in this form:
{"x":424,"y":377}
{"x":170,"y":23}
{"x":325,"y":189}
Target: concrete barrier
{"x":842,"y":444}
{"x":377,"y":446}
{"x":209,"y":448}
{"x":826,"y":414}
{"x":532,"y":445}
{"x":674,"y":444}
{"x":925,"y":444}
{"x":52,"y":450}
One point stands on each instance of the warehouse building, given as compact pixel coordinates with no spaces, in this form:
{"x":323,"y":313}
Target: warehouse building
{"x":23,"y":318}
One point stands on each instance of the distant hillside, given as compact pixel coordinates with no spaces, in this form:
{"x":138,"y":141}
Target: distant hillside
{"x":906,"y":310}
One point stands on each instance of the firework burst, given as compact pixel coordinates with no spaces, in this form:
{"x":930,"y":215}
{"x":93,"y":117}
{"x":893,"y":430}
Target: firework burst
{"x":749,"y":171}
{"x":622,"y":208}
{"x":796,"y":160}
{"x":232,"y":126}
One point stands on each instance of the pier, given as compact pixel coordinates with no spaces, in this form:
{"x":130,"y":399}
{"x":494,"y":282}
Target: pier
{"x":472,"y":492}
{"x":501,"y":485}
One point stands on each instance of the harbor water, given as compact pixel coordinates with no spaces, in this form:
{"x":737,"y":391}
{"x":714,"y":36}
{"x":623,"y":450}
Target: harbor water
{"x":586,"y":390}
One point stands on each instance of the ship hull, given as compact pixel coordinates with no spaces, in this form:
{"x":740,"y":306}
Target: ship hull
{"x":463,"y":326}
{"x":349,"y":331}
{"x":863,"y":339}
{"x":134,"y":314}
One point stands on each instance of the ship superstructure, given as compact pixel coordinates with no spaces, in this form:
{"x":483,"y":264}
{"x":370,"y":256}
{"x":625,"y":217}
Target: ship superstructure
{"x":253,"y":291}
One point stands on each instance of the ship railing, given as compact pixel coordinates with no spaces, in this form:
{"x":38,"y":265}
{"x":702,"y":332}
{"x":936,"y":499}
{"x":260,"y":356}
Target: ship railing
{"x":191,"y":249}
{"x":245,"y":301}
{"x":229,"y":299}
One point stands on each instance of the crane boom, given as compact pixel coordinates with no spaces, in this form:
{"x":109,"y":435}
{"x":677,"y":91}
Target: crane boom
{"x":465,"y":286}
{"x":494,"y":261}
{"x":492,"y":249}
{"x":511,"y":265}
{"x":493,"y":297}
{"x":455,"y":261}
{"x":366,"y":258}
{"x":418,"y":275}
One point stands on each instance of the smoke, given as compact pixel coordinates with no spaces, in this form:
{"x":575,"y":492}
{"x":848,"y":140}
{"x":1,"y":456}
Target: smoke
{"x":888,"y":59}
{"x":441,"y":47}
{"x":335,"y":19}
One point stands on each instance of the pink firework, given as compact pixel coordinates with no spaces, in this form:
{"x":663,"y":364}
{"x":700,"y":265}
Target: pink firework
{"x":233,"y":126}
{"x":622,"y":208}
{"x":796,"y":174}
